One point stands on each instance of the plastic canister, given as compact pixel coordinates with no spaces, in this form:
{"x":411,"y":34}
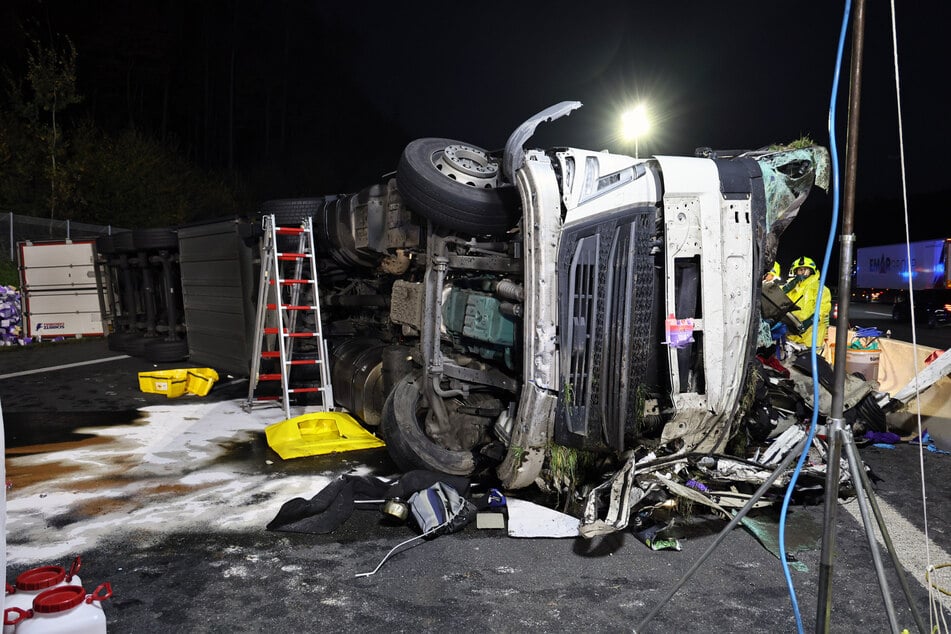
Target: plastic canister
{"x":31,"y":583}
{"x":864,"y":362}
{"x":62,"y":610}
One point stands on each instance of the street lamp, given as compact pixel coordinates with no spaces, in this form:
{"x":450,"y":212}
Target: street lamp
{"x":635,"y":124}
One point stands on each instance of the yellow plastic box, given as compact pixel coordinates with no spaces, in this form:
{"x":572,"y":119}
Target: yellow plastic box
{"x":171,"y":383}
{"x":200,"y":380}
{"x":317,"y":434}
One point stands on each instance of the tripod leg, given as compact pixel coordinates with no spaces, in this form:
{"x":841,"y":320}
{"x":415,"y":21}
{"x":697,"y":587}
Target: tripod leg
{"x":860,"y":496}
{"x":852,"y":449}
{"x":794,"y":453}
{"x":833,"y":457}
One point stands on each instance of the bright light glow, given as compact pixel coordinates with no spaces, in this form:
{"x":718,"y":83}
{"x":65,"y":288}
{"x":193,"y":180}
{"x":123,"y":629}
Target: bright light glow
{"x":635,"y":123}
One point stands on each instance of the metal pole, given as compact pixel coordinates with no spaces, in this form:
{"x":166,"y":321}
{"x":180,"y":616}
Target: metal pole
{"x":11,"y":237}
{"x":824,"y":597}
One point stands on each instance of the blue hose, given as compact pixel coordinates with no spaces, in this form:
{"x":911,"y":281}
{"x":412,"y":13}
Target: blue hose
{"x":833,"y":149}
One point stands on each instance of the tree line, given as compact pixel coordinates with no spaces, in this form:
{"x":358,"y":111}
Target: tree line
{"x":57,"y":162}
{"x":155,"y":113}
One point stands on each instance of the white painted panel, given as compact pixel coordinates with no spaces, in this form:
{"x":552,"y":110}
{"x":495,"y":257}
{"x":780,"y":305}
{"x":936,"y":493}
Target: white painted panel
{"x":63,"y":313}
{"x":49,"y":265}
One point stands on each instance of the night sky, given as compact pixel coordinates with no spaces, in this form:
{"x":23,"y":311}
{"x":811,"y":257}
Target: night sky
{"x":326,"y":94}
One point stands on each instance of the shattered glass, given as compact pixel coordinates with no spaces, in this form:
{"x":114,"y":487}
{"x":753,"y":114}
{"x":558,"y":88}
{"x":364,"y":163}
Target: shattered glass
{"x":788,"y":176}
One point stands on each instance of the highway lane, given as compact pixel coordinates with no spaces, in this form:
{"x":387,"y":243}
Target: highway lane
{"x":167,"y":500}
{"x":880,"y":316}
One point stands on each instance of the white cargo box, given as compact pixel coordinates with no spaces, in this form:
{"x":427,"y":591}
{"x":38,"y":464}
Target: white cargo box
{"x":57,"y":265}
{"x":62,"y":313}
{"x":59,"y":289}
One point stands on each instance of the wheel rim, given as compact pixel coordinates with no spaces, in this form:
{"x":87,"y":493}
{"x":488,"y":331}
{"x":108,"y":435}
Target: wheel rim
{"x":468,"y":165}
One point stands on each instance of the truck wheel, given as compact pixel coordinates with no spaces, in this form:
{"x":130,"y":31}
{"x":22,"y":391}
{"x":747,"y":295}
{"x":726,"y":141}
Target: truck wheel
{"x":155,"y":239}
{"x":119,"y":341}
{"x":289,"y":211}
{"x":104,"y":245}
{"x":135,"y":346}
{"x":122,"y":242}
{"x":402,"y":424}
{"x":457,"y":186}
{"x":164,"y":351}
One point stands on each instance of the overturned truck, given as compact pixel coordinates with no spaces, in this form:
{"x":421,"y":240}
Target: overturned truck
{"x":483,"y":307}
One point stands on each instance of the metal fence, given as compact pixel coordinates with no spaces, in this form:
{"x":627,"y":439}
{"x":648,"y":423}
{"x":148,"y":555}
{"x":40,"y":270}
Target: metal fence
{"x":16,"y":228}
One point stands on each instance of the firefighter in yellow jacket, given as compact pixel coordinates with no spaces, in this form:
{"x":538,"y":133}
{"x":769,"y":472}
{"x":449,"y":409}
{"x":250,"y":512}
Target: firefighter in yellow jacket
{"x":802,"y":289}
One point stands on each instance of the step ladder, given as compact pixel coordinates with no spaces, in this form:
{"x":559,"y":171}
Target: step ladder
{"x":285,"y":327}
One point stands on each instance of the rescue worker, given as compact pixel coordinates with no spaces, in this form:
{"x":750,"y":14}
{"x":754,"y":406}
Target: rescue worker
{"x":773,"y":275}
{"x":771,"y":332}
{"x":803,"y":289}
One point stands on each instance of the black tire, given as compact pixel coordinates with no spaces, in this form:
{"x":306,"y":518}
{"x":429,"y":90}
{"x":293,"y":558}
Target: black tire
{"x":474,"y":209}
{"x":163,"y":351}
{"x":104,"y":245}
{"x":135,"y":345}
{"x":288,"y":211}
{"x":119,"y":341}
{"x":122,"y":242}
{"x":407,"y":443}
{"x":155,"y":239}
{"x":868,"y":413}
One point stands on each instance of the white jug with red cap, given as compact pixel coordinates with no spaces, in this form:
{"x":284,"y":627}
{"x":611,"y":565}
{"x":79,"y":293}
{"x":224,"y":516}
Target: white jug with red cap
{"x":31,"y":583}
{"x":62,"y":610}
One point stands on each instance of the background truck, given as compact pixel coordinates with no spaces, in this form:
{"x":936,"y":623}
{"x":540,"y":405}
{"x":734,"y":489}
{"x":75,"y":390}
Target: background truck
{"x":884,"y":272}
{"x":886,"y":267}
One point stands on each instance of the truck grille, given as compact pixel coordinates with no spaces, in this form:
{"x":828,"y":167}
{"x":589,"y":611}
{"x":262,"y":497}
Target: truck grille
{"x":606,"y":290}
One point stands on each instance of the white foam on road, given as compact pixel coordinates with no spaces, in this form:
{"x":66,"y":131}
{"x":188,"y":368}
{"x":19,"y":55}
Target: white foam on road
{"x":157,"y":476}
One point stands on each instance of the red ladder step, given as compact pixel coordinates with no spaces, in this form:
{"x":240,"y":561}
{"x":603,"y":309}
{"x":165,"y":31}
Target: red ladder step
{"x":273,"y":331}
{"x":290,"y":307}
{"x":289,"y":282}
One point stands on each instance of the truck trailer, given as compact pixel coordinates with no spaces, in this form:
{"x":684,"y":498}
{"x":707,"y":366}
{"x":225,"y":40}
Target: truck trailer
{"x":888,"y":271}
{"x":887,"y":267}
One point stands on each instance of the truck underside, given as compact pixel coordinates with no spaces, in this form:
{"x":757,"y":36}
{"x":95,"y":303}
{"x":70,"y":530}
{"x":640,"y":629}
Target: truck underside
{"x":481,"y":307}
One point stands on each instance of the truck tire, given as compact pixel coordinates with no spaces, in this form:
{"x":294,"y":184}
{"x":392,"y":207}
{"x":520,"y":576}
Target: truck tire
{"x":407,"y":443}
{"x":164,"y":351}
{"x":122,"y":242}
{"x":455,"y":185}
{"x":135,"y":346}
{"x":289,"y":211}
{"x":119,"y":341}
{"x":104,"y":245}
{"x":155,"y":239}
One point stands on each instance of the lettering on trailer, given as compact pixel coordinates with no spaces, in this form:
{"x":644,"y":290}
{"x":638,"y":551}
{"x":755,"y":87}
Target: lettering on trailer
{"x":883,"y":264}
{"x":50,"y":325}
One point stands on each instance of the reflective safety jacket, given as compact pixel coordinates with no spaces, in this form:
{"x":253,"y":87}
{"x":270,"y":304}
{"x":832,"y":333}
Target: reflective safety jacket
{"x":804,"y":295}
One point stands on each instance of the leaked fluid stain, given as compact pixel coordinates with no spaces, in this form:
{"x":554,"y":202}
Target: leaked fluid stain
{"x":21,"y":474}
{"x":255,"y":456}
{"x":25,"y":429}
{"x":42,"y":434}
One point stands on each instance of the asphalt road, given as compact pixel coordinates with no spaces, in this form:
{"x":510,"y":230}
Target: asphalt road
{"x":167,"y":500}
{"x":880,"y":316}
